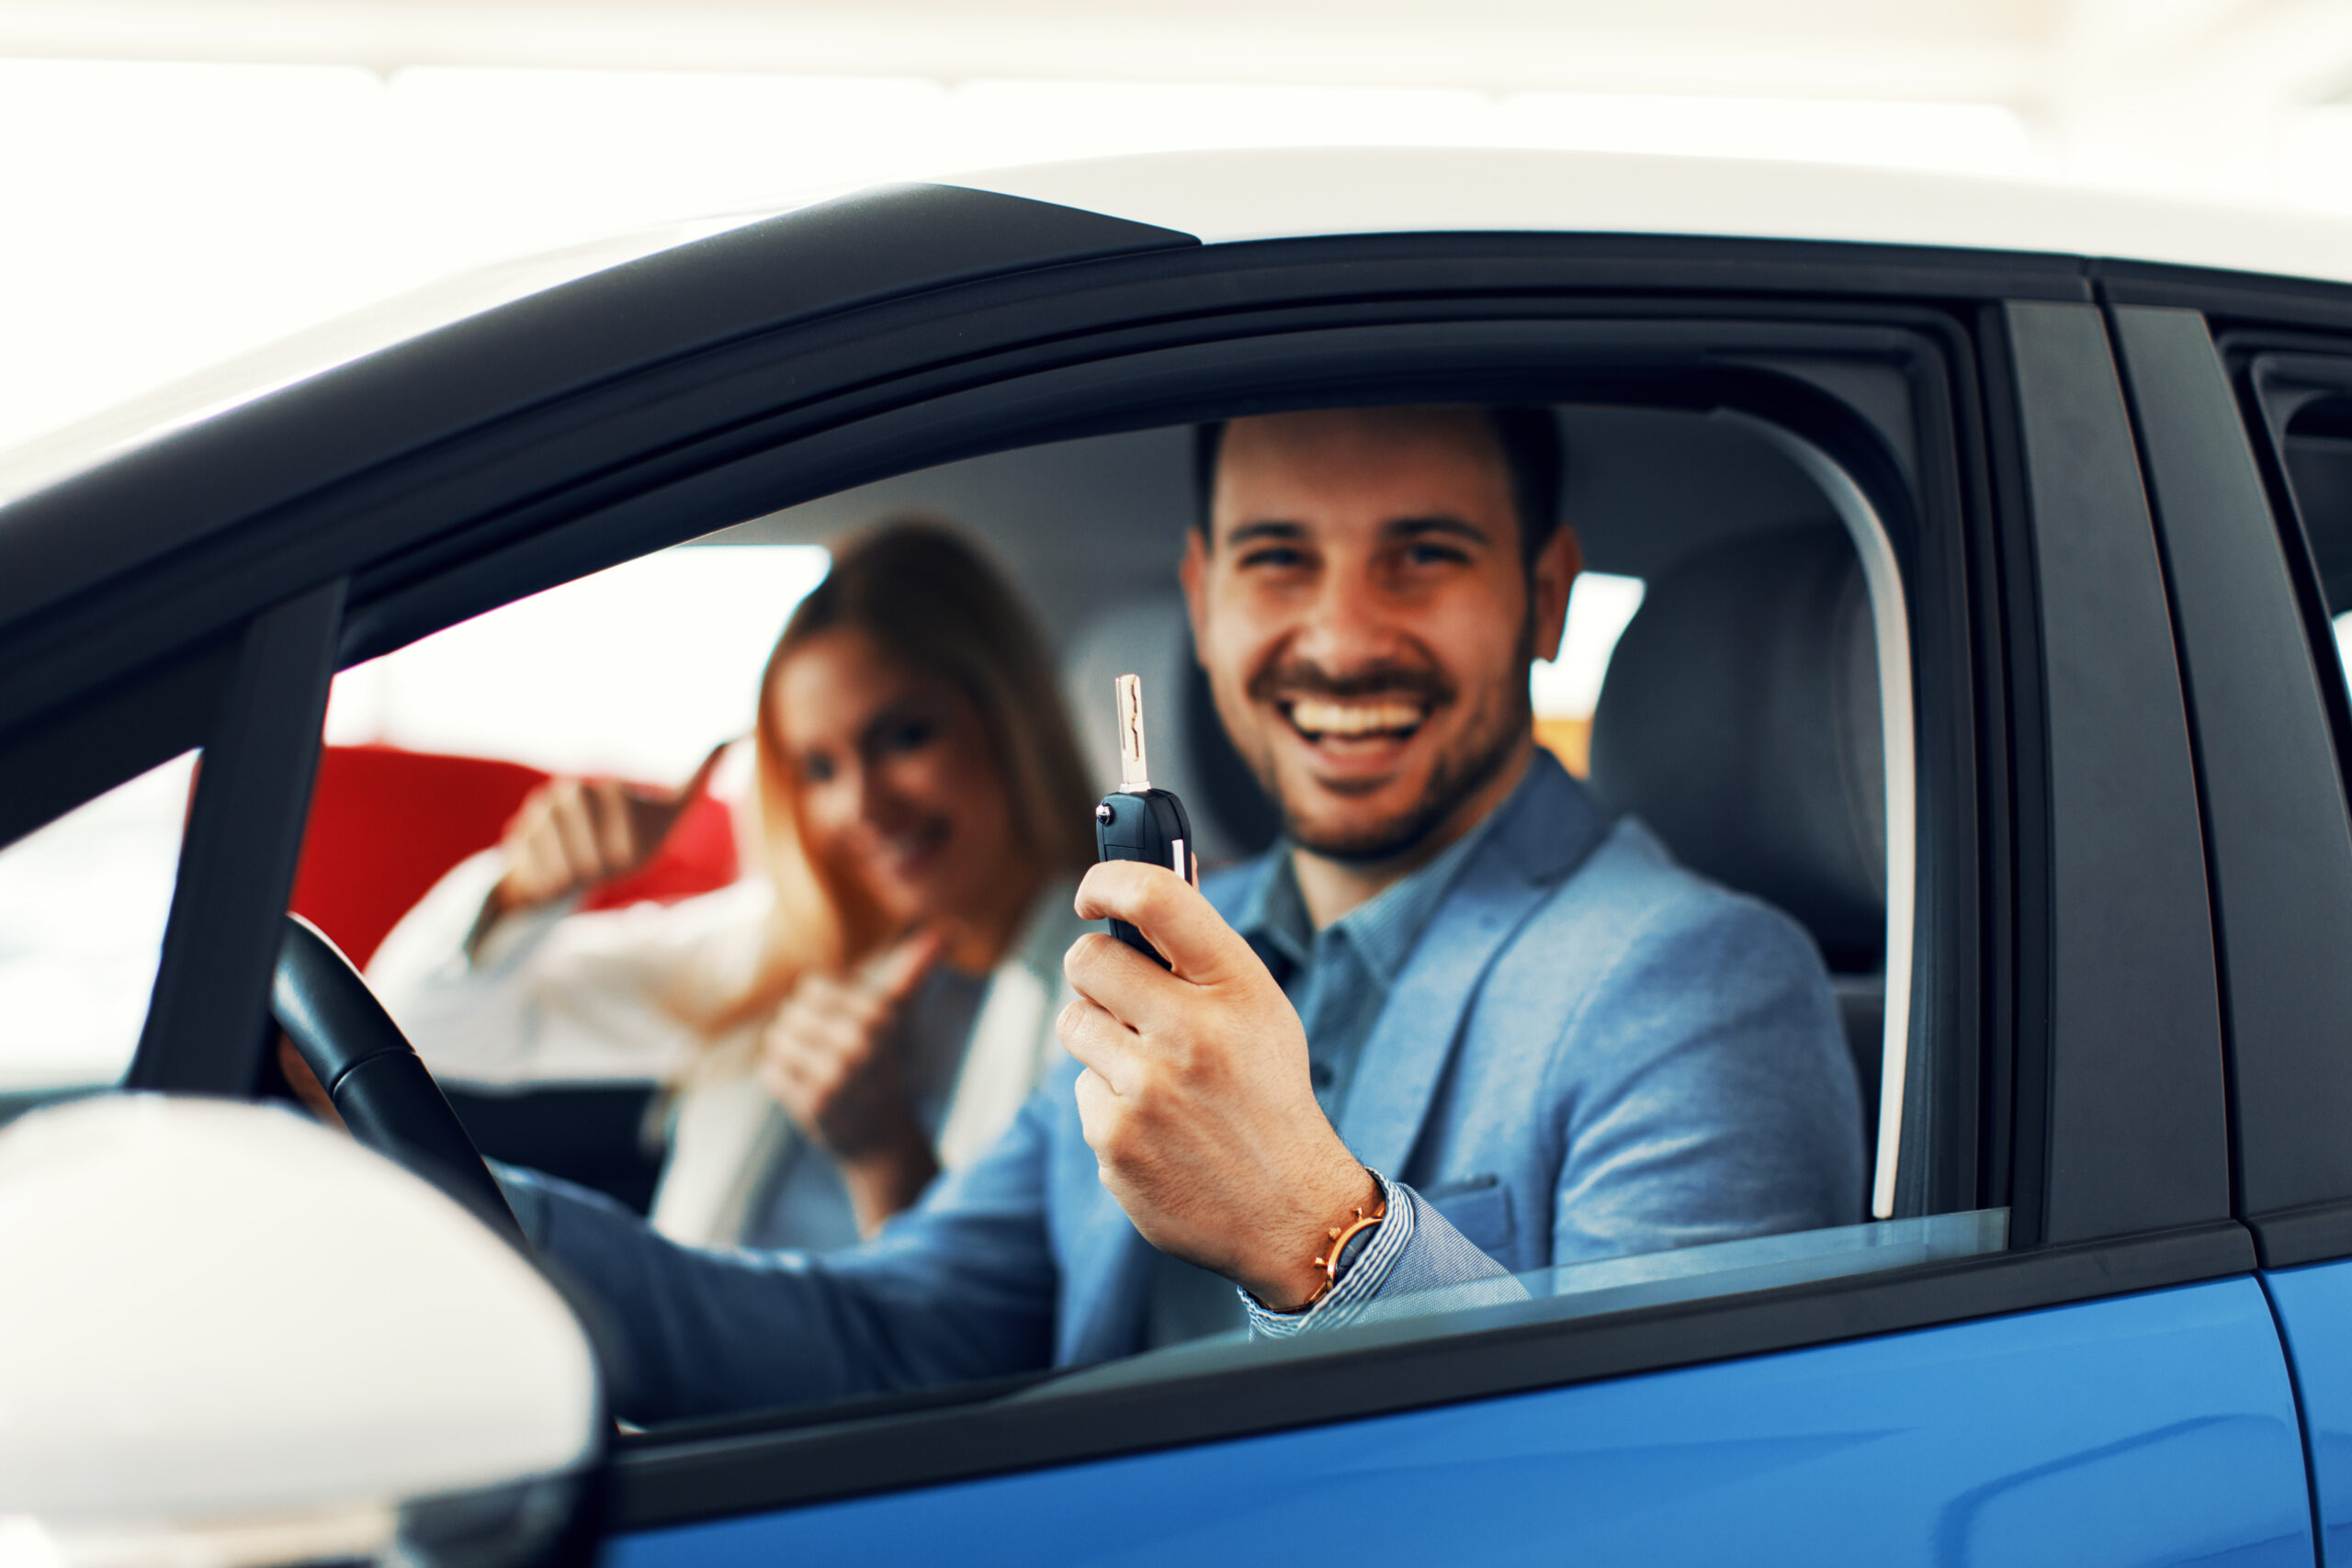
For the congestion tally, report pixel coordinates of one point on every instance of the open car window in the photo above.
(1734, 675)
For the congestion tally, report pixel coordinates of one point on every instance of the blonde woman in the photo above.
(874, 998)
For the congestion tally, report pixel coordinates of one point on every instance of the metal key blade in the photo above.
(1133, 776)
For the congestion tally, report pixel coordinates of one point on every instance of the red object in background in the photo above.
(697, 857)
(386, 824)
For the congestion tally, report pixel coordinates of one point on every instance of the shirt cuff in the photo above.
(1357, 1286)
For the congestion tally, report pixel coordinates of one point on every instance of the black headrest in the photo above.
(1740, 720)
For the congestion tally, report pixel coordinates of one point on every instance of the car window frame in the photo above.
(2280, 836)
(1815, 402)
(2299, 1203)
(207, 1016)
(501, 530)
(2123, 1129)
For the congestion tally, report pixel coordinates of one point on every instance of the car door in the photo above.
(1937, 1417)
(2110, 1387)
(2243, 391)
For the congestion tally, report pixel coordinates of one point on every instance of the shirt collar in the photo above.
(1382, 928)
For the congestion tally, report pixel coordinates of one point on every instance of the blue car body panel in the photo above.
(2314, 1307)
(2143, 1429)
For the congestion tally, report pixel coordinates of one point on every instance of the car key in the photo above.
(1136, 821)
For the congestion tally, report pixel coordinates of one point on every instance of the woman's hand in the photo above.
(571, 834)
(831, 1061)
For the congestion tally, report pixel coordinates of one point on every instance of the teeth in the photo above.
(1319, 717)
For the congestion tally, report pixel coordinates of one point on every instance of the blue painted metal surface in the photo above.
(2145, 1429)
(2316, 1313)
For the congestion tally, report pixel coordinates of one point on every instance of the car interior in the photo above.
(1739, 717)
(1744, 715)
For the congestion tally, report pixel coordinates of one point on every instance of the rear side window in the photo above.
(2318, 460)
(2303, 407)
(83, 905)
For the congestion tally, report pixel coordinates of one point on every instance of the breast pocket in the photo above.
(1479, 1207)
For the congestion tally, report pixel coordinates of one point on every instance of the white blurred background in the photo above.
(184, 179)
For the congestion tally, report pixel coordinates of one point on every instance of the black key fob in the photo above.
(1150, 826)
(1138, 822)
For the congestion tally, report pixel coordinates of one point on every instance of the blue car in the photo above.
(1991, 542)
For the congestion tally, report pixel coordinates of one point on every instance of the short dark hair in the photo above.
(1530, 439)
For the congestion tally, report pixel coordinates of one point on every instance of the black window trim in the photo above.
(2279, 840)
(2225, 298)
(2257, 355)
(2121, 1123)
(205, 1017)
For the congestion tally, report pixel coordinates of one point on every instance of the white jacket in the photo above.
(556, 997)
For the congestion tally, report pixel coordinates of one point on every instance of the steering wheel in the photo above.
(373, 1075)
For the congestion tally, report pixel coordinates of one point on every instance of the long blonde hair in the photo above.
(931, 601)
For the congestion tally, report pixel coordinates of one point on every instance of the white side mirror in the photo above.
(230, 1339)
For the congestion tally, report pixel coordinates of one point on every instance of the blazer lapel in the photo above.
(1549, 825)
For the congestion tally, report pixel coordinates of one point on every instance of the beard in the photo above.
(1487, 743)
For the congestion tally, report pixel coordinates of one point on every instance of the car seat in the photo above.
(1740, 720)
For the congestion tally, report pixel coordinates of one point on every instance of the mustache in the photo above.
(1288, 680)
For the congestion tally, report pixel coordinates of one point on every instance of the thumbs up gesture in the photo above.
(571, 834)
(832, 1059)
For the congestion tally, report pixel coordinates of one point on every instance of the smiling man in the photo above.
(1454, 1025)
(1558, 1045)
(1367, 599)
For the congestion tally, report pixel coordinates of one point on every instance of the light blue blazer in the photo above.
(1590, 1052)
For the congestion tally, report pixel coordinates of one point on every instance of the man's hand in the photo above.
(1195, 1098)
(831, 1059)
(571, 834)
